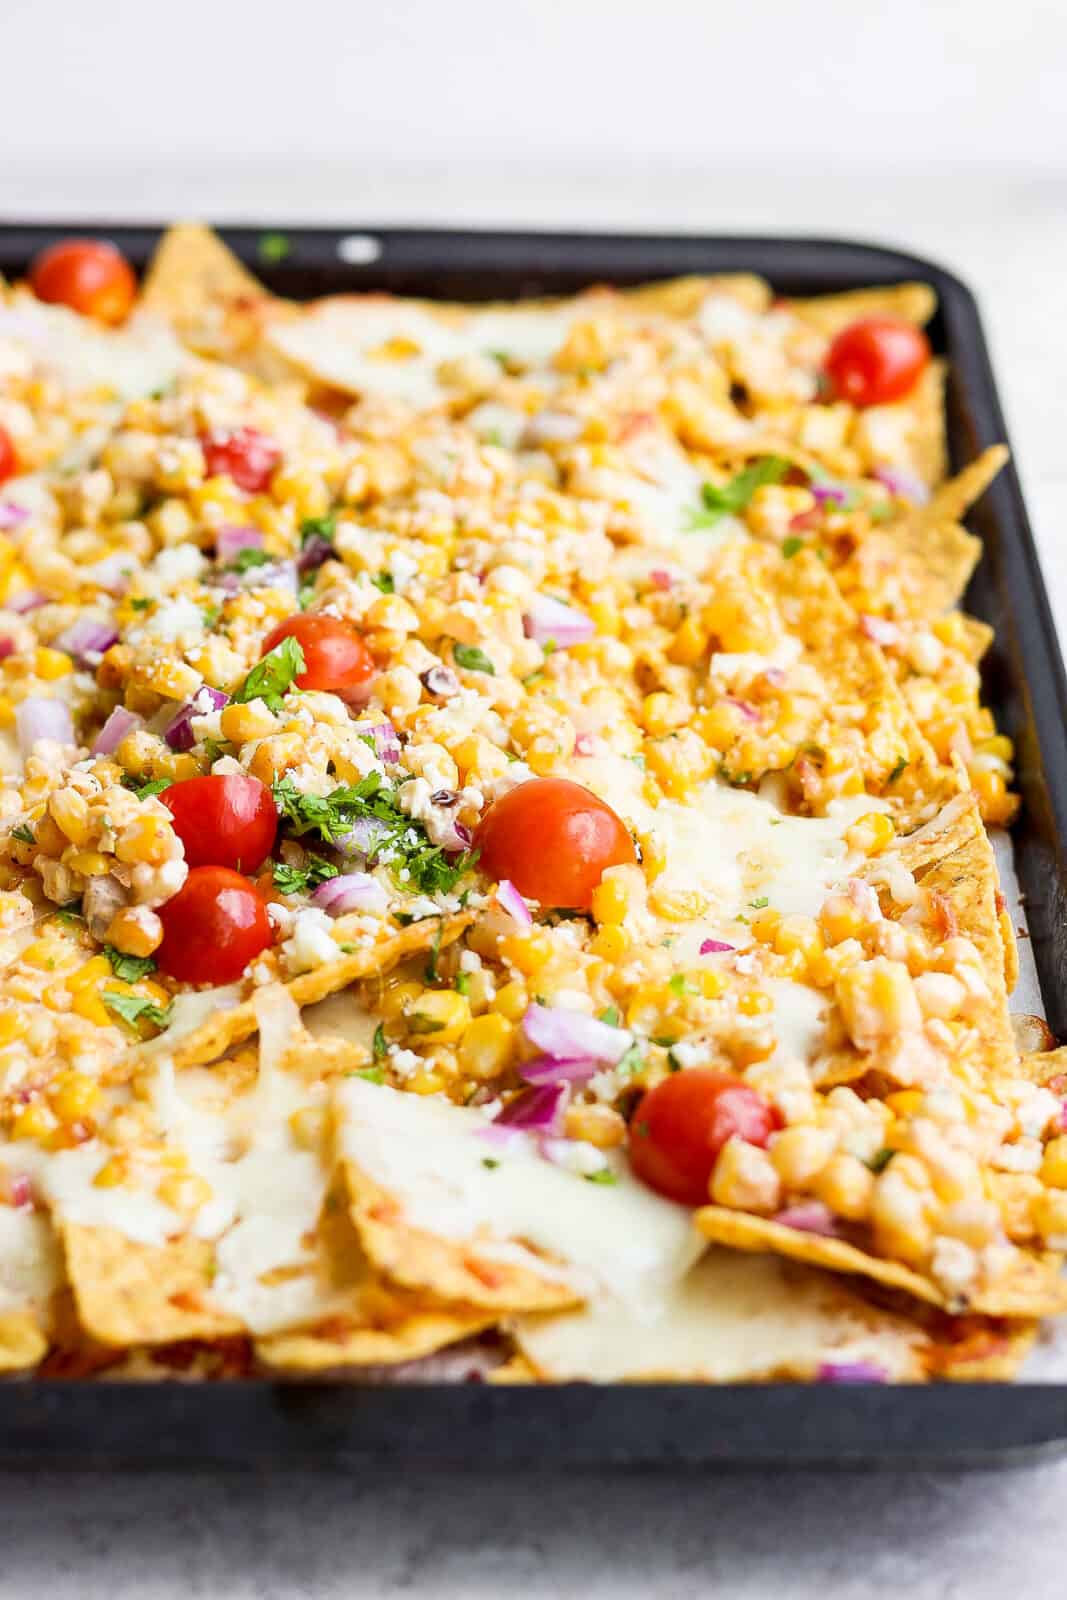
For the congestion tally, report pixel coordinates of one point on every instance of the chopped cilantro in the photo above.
(211, 615)
(631, 1062)
(736, 779)
(430, 969)
(729, 499)
(306, 592)
(318, 528)
(677, 984)
(501, 357)
(139, 602)
(270, 678)
(490, 1163)
(273, 247)
(758, 905)
(154, 786)
(605, 1175)
(897, 770)
(132, 1007)
(381, 1049)
(71, 915)
(610, 1015)
(462, 984)
(249, 557)
(673, 1062)
(881, 511)
(790, 547)
(128, 968)
(24, 832)
(881, 1159)
(298, 880)
(384, 581)
(422, 1022)
(473, 659)
(372, 1074)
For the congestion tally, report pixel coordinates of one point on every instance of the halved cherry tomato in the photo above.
(554, 840)
(876, 360)
(226, 821)
(247, 456)
(213, 927)
(680, 1126)
(8, 460)
(89, 276)
(335, 657)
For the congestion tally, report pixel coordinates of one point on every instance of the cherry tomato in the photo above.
(243, 454)
(212, 928)
(89, 275)
(876, 360)
(554, 840)
(8, 460)
(680, 1126)
(226, 821)
(335, 657)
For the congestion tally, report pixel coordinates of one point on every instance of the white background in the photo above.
(940, 126)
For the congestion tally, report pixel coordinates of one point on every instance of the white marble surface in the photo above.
(925, 1536)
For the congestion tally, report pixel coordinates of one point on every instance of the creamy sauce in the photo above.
(346, 343)
(132, 361)
(30, 1263)
(431, 1157)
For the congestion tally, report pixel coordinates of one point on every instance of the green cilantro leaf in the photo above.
(372, 1074)
(490, 1163)
(790, 547)
(730, 499)
(758, 905)
(881, 511)
(24, 832)
(897, 770)
(381, 1049)
(318, 528)
(273, 247)
(473, 659)
(610, 1015)
(271, 677)
(605, 1176)
(132, 1007)
(298, 880)
(139, 602)
(462, 984)
(154, 786)
(247, 558)
(384, 581)
(128, 968)
(632, 1061)
(430, 970)
(881, 1159)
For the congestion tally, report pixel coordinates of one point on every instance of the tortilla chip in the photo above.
(354, 1341)
(953, 499)
(1047, 1068)
(733, 1319)
(22, 1341)
(683, 297)
(1033, 1287)
(133, 1293)
(227, 1027)
(913, 302)
(213, 304)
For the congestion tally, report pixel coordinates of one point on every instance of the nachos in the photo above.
(495, 874)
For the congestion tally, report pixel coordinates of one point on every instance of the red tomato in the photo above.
(8, 460)
(243, 454)
(335, 657)
(680, 1126)
(876, 360)
(226, 821)
(554, 840)
(212, 928)
(89, 275)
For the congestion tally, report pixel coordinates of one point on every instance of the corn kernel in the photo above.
(600, 1126)
(905, 1102)
(89, 974)
(764, 926)
(610, 942)
(611, 898)
(74, 1096)
(147, 838)
(841, 919)
(800, 1153)
(677, 905)
(13, 1025)
(34, 1121)
(88, 1004)
(90, 863)
(754, 1003)
(135, 931)
(309, 1126)
(798, 935)
(745, 1178)
(1054, 1163)
(871, 833)
(441, 1013)
(51, 664)
(426, 1083)
(688, 645)
(527, 951)
(487, 1046)
(511, 1001)
(845, 1184)
(240, 723)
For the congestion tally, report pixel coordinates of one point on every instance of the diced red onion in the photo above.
(810, 1216)
(38, 718)
(118, 725)
(715, 947)
(661, 578)
(22, 1192)
(363, 837)
(535, 1109)
(456, 837)
(1063, 1115)
(571, 1035)
(350, 891)
(747, 710)
(26, 600)
(585, 744)
(179, 733)
(86, 640)
(903, 484)
(851, 1372)
(386, 741)
(775, 676)
(879, 630)
(549, 621)
(550, 1069)
(7, 647)
(510, 900)
(315, 552)
(831, 494)
(12, 516)
(232, 539)
(275, 575)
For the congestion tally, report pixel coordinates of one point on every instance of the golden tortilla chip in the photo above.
(1047, 1068)
(1032, 1287)
(227, 1027)
(953, 499)
(133, 1293)
(22, 1341)
(913, 302)
(683, 297)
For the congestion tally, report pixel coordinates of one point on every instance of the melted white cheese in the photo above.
(432, 1158)
(132, 361)
(346, 343)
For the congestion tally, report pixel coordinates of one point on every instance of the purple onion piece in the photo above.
(363, 838)
(879, 630)
(715, 947)
(747, 710)
(118, 725)
(38, 718)
(549, 621)
(831, 494)
(179, 733)
(315, 552)
(386, 741)
(535, 1109)
(86, 640)
(350, 891)
(902, 484)
(231, 540)
(510, 900)
(809, 1216)
(550, 1069)
(585, 744)
(851, 1372)
(7, 647)
(26, 600)
(12, 516)
(660, 578)
(572, 1036)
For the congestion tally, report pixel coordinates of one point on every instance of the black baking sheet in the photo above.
(259, 1424)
